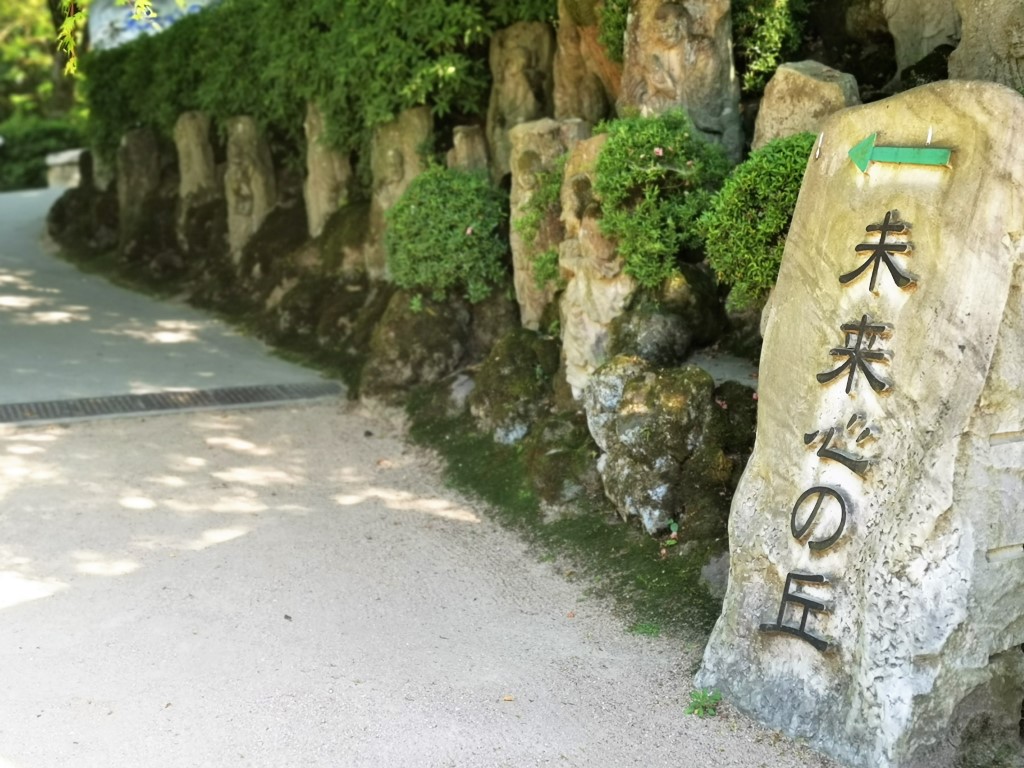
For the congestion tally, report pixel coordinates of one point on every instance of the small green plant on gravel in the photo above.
(646, 628)
(767, 32)
(654, 177)
(444, 235)
(746, 225)
(704, 702)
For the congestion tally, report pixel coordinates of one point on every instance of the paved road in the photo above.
(70, 335)
(295, 587)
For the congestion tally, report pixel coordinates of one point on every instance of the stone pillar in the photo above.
(197, 169)
(521, 60)
(469, 150)
(249, 183)
(395, 160)
(680, 56)
(138, 185)
(597, 291)
(992, 46)
(799, 97)
(586, 81)
(877, 542)
(328, 174)
(536, 148)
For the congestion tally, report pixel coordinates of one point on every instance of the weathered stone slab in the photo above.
(328, 174)
(918, 27)
(536, 147)
(586, 81)
(249, 182)
(799, 97)
(992, 42)
(469, 149)
(680, 55)
(877, 542)
(197, 172)
(521, 60)
(597, 290)
(395, 160)
(138, 186)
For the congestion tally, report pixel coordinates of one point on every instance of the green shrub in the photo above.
(766, 33)
(444, 235)
(654, 177)
(612, 27)
(746, 225)
(363, 62)
(27, 141)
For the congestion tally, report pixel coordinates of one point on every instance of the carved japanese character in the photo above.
(835, 510)
(859, 354)
(856, 464)
(806, 604)
(882, 252)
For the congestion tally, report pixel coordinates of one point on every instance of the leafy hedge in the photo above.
(445, 235)
(766, 33)
(654, 177)
(362, 61)
(26, 143)
(745, 228)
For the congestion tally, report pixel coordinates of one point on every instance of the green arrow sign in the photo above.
(866, 153)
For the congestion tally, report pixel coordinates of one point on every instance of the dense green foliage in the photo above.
(612, 27)
(444, 235)
(27, 141)
(26, 57)
(654, 177)
(766, 33)
(745, 228)
(363, 62)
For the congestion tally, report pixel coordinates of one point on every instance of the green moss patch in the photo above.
(648, 582)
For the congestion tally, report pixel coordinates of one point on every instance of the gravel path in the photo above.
(295, 587)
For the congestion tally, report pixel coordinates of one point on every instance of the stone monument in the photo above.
(876, 597)
(250, 185)
(328, 173)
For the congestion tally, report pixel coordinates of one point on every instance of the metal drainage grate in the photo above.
(157, 402)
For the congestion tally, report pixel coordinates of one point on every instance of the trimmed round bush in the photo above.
(445, 235)
(746, 225)
(654, 177)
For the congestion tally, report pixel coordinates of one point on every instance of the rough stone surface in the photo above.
(328, 174)
(513, 385)
(198, 182)
(197, 169)
(521, 59)
(920, 612)
(536, 147)
(799, 97)
(395, 160)
(664, 325)
(660, 432)
(409, 347)
(680, 55)
(249, 182)
(597, 291)
(920, 26)
(992, 43)
(469, 148)
(138, 187)
(586, 82)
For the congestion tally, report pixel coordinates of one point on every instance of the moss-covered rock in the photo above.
(493, 318)
(267, 259)
(561, 460)
(669, 445)
(664, 325)
(414, 344)
(513, 385)
(344, 237)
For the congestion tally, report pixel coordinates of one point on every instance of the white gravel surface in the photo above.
(283, 588)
